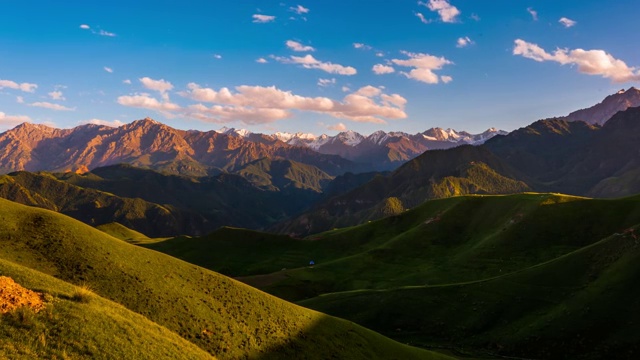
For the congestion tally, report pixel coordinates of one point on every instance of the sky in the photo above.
(313, 66)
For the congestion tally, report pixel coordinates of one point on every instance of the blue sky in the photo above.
(308, 65)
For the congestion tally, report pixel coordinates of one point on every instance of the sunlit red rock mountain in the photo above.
(151, 144)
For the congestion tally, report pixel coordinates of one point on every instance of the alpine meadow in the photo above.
(393, 180)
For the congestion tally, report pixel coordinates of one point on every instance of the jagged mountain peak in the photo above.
(603, 111)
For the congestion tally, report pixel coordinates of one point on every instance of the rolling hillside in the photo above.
(529, 275)
(218, 315)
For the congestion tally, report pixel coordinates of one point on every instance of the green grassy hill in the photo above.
(578, 306)
(221, 316)
(471, 261)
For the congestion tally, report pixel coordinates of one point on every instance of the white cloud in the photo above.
(326, 82)
(345, 89)
(56, 95)
(463, 42)
(299, 9)
(423, 19)
(108, 69)
(114, 123)
(380, 54)
(160, 86)
(309, 62)
(106, 33)
(296, 46)
(217, 56)
(19, 99)
(591, 62)
(445, 10)
(257, 104)
(12, 120)
(99, 32)
(51, 106)
(26, 87)
(126, 81)
(261, 61)
(380, 69)
(567, 22)
(475, 17)
(362, 46)
(145, 101)
(534, 14)
(261, 19)
(423, 66)
(446, 79)
(337, 127)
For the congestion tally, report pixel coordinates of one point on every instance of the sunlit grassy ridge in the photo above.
(219, 315)
(70, 329)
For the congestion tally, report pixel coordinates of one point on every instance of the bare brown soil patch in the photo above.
(13, 296)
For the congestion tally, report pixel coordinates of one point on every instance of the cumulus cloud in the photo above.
(296, 46)
(534, 14)
(299, 9)
(56, 95)
(261, 61)
(380, 69)
(217, 56)
(160, 86)
(126, 81)
(26, 87)
(51, 106)
(258, 104)
(590, 62)
(309, 62)
(446, 79)
(12, 120)
(85, 27)
(144, 101)
(463, 42)
(261, 19)
(114, 123)
(19, 99)
(337, 127)
(445, 10)
(108, 69)
(566, 22)
(423, 66)
(326, 82)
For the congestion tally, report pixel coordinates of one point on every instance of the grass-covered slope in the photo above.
(225, 318)
(442, 241)
(70, 327)
(434, 174)
(578, 306)
(528, 275)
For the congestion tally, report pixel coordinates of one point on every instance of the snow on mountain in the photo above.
(350, 138)
(234, 132)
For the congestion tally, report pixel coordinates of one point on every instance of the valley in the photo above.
(334, 180)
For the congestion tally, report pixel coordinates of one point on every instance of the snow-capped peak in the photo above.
(234, 132)
(350, 137)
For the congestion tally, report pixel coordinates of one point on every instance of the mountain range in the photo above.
(385, 150)
(556, 155)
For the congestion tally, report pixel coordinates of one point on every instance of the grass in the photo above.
(478, 274)
(223, 317)
(68, 329)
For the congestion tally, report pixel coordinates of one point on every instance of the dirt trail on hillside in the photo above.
(13, 296)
